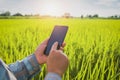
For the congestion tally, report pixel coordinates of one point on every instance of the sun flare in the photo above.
(51, 9)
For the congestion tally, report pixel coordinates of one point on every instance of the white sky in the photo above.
(59, 7)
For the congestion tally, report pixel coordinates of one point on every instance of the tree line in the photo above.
(7, 14)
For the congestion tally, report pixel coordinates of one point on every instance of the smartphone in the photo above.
(58, 34)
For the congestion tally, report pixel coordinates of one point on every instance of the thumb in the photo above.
(54, 46)
(41, 49)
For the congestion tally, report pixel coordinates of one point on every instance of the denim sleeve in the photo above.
(5, 73)
(52, 76)
(25, 69)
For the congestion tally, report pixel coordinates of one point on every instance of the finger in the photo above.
(45, 41)
(63, 44)
(54, 46)
(61, 48)
(45, 57)
(60, 51)
(43, 47)
(40, 49)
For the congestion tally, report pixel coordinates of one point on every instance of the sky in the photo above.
(58, 7)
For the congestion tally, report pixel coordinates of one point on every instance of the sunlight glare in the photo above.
(51, 9)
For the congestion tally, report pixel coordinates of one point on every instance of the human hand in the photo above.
(57, 61)
(39, 53)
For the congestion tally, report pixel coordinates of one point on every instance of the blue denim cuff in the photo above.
(52, 76)
(31, 64)
(25, 69)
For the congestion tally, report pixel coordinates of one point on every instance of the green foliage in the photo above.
(17, 14)
(7, 13)
(93, 46)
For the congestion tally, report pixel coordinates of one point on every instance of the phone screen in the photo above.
(58, 35)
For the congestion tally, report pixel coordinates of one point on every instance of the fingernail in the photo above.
(56, 42)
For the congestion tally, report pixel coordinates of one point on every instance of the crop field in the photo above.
(93, 45)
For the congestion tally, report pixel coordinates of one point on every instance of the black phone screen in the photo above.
(58, 35)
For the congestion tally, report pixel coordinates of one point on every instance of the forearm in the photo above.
(25, 69)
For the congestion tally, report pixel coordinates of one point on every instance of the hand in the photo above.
(57, 61)
(39, 53)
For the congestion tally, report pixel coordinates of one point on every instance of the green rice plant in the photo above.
(93, 45)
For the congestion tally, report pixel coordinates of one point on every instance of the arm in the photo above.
(57, 63)
(25, 69)
(5, 73)
(29, 66)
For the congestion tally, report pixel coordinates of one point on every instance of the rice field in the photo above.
(93, 45)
